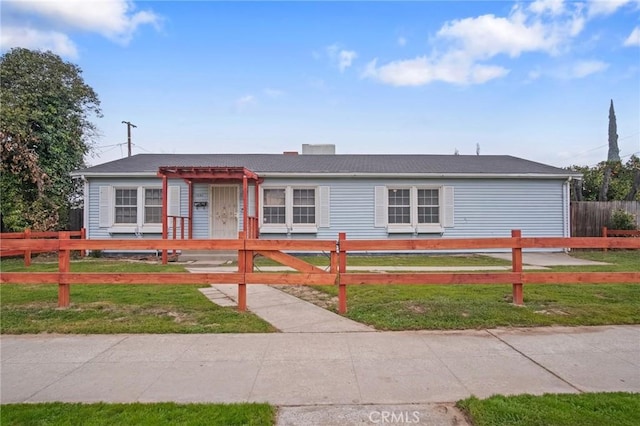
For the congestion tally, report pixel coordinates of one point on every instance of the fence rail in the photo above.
(28, 250)
(308, 274)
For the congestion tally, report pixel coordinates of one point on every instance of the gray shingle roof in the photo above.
(331, 164)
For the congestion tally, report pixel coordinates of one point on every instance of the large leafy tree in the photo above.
(623, 181)
(45, 132)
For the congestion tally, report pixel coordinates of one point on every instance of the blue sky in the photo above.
(530, 79)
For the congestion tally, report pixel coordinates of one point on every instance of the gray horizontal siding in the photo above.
(483, 207)
(94, 231)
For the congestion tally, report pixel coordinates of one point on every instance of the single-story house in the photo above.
(316, 196)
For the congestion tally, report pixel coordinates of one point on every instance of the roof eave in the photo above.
(362, 175)
(113, 174)
(426, 175)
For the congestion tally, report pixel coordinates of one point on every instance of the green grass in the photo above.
(416, 307)
(136, 414)
(588, 409)
(107, 309)
(400, 260)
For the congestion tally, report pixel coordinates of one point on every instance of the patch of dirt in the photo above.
(551, 312)
(311, 295)
(417, 309)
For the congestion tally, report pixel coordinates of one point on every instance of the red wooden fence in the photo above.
(6, 251)
(312, 275)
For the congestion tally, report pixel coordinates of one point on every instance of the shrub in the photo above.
(622, 220)
(98, 253)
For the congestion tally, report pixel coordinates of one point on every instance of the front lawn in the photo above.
(104, 309)
(587, 409)
(58, 413)
(417, 307)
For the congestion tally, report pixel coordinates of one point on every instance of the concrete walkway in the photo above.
(287, 313)
(309, 369)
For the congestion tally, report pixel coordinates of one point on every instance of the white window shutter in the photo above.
(105, 207)
(324, 208)
(173, 201)
(448, 206)
(380, 207)
(261, 206)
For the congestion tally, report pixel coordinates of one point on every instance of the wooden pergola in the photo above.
(211, 175)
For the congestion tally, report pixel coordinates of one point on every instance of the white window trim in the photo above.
(140, 227)
(144, 206)
(414, 226)
(124, 227)
(289, 227)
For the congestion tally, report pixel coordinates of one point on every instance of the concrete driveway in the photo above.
(547, 259)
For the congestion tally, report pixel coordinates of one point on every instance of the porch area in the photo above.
(220, 201)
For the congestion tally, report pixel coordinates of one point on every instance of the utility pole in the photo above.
(129, 126)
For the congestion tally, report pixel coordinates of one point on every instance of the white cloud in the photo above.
(607, 7)
(453, 68)
(32, 38)
(244, 102)
(341, 57)
(552, 7)
(464, 47)
(346, 58)
(634, 38)
(273, 93)
(402, 41)
(116, 20)
(579, 69)
(584, 68)
(534, 74)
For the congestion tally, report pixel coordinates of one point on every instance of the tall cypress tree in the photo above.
(614, 151)
(613, 156)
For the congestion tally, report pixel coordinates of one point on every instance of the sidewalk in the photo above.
(306, 369)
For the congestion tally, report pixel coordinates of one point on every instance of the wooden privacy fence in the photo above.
(308, 274)
(588, 217)
(6, 250)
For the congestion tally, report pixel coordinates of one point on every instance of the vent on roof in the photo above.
(318, 149)
(290, 153)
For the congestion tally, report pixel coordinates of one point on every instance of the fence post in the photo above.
(64, 266)
(83, 236)
(516, 263)
(173, 224)
(604, 235)
(242, 269)
(27, 252)
(342, 269)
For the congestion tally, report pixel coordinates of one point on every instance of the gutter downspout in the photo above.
(85, 206)
(566, 195)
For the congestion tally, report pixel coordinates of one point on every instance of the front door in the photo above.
(224, 212)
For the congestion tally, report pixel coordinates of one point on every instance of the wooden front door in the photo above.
(224, 212)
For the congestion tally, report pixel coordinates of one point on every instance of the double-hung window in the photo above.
(414, 209)
(126, 206)
(304, 206)
(294, 209)
(399, 206)
(428, 206)
(152, 205)
(274, 209)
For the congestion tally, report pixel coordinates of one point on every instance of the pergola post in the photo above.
(165, 223)
(245, 204)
